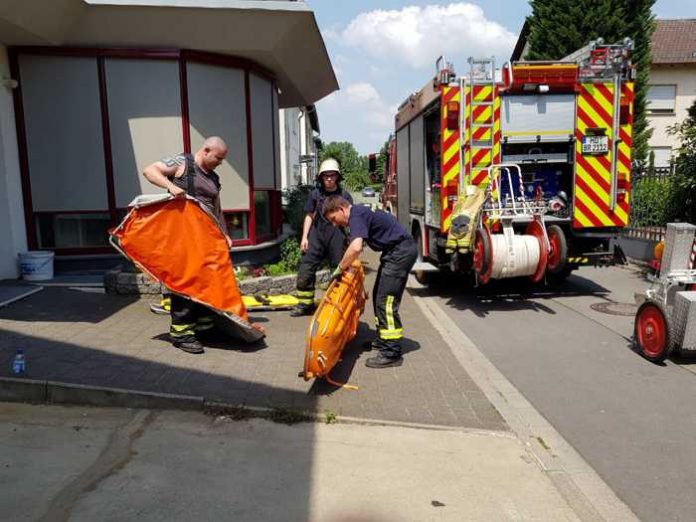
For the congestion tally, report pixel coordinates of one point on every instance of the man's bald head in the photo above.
(214, 142)
(212, 153)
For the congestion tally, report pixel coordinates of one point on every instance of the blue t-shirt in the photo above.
(380, 230)
(315, 201)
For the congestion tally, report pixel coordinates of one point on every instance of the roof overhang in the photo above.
(280, 35)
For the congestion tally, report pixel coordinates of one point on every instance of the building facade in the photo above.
(81, 117)
(299, 131)
(672, 88)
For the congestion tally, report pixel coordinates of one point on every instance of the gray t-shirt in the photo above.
(206, 185)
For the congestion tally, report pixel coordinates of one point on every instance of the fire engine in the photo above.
(521, 171)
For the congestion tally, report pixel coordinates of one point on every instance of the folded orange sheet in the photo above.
(180, 244)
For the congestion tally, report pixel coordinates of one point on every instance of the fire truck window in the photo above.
(432, 149)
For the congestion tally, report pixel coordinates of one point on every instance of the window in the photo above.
(262, 213)
(237, 225)
(72, 230)
(663, 156)
(661, 98)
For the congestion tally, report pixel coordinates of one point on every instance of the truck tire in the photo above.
(483, 255)
(558, 256)
(652, 336)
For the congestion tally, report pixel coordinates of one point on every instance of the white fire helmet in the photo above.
(329, 165)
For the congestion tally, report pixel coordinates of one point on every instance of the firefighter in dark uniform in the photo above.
(382, 233)
(320, 239)
(192, 174)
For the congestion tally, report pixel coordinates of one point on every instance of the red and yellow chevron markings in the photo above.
(595, 110)
(624, 149)
(449, 157)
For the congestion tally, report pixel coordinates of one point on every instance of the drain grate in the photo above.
(613, 308)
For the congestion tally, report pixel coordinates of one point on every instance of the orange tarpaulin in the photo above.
(177, 242)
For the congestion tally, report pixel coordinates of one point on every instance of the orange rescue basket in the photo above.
(335, 323)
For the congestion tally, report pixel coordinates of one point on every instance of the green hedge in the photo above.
(651, 201)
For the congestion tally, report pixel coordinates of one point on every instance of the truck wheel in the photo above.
(558, 255)
(483, 255)
(423, 277)
(651, 335)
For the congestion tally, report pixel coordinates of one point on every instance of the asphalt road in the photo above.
(631, 420)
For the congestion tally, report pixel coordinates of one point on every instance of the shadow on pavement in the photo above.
(354, 351)
(69, 305)
(509, 295)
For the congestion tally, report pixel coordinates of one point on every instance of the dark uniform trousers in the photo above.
(325, 242)
(394, 268)
(188, 319)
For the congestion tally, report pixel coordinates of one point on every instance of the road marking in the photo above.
(579, 484)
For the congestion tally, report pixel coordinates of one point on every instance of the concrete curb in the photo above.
(37, 391)
(579, 484)
(51, 392)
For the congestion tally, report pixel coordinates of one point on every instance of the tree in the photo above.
(683, 197)
(353, 165)
(640, 25)
(382, 162)
(560, 27)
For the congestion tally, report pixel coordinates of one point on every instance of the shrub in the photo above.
(296, 198)
(290, 254)
(651, 201)
(682, 204)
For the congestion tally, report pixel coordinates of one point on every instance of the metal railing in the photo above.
(650, 190)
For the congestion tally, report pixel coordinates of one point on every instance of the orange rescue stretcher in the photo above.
(177, 242)
(334, 324)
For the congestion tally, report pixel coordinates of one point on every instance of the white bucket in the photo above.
(36, 265)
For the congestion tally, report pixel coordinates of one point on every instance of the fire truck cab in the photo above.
(550, 138)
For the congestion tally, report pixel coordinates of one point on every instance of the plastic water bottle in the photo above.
(19, 364)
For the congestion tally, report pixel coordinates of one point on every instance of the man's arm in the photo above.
(304, 244)
(159, 173)
(352, 253)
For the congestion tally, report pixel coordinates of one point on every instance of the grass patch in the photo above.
(288, 416)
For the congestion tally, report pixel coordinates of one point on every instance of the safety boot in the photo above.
(302, 310)
(382, 361)
(189, 345)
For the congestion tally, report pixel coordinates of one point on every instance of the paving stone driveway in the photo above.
(83, 336)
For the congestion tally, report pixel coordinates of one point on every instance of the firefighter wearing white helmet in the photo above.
(320, 239)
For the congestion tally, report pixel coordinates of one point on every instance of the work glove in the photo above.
(336, 275)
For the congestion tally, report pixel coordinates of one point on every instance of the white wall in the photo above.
(684, 77)
(290, 147)
(12, 231)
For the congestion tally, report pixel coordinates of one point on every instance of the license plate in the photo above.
(595, 144)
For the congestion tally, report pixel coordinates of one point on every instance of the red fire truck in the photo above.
(542, 151)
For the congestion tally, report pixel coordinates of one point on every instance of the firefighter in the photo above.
(383, 233)
(320, 240)
(192, 174)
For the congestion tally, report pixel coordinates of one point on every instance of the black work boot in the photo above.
(302, 309)
(189, 345)
(383, 361)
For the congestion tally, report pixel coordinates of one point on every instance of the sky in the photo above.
(384, 50)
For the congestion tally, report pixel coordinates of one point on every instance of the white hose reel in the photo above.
(501, 256)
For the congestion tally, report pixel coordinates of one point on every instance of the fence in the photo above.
(650, 191)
